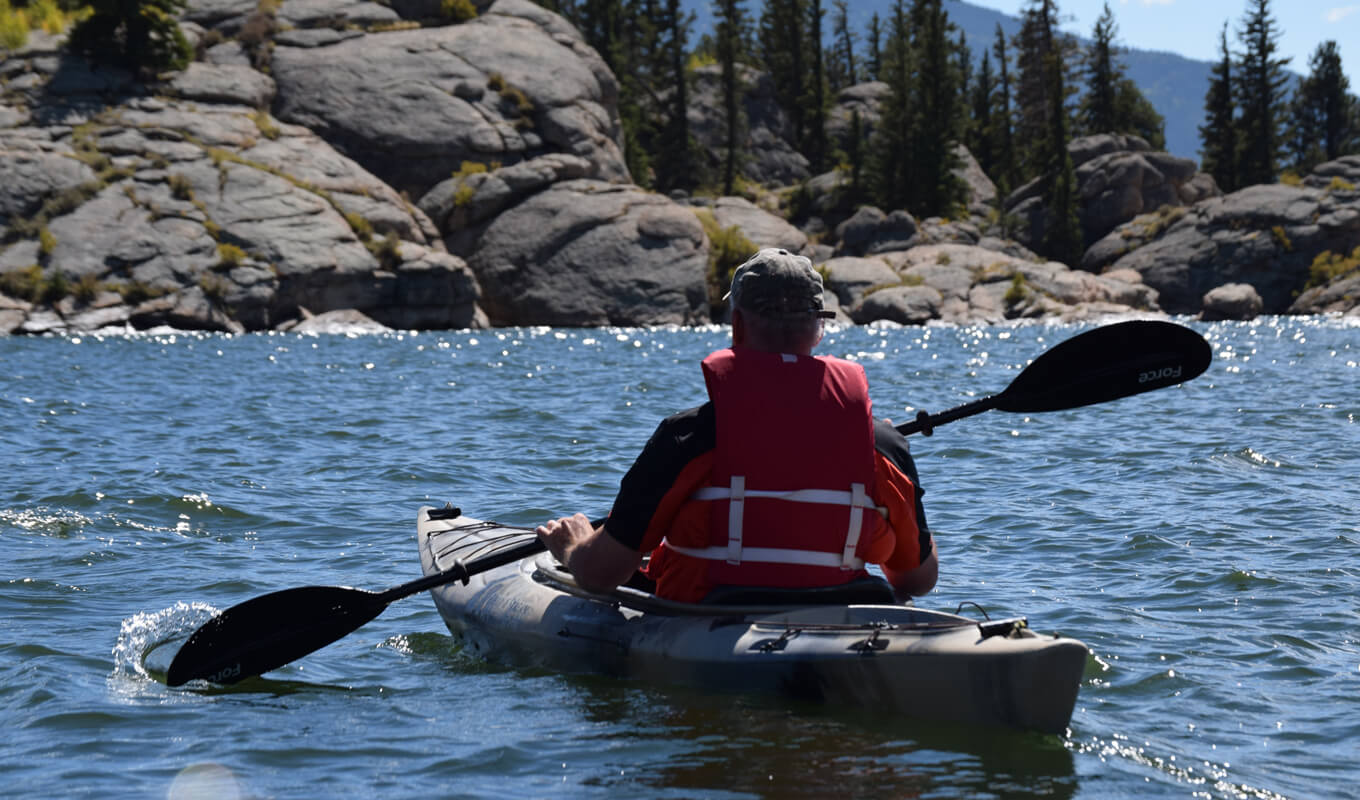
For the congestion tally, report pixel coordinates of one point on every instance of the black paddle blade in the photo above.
(1108, 363)
(268, 631)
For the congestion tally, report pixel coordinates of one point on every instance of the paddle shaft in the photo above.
(461, 571)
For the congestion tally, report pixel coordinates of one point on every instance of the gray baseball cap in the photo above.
(777, 284)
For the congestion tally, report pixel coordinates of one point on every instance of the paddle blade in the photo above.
(271, 630)
(1108, 363)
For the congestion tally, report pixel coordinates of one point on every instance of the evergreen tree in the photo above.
(940, 115)
(1004, 173)
(1218, 134)
(136, 34)
(893, 166)
(875, 66)
(982, 130)
(1325, 117)
(815, 145)
(678, 164)
(1096, 114)
(729, 36)
(1260, 96)
(1040, 50)
(1063, 237)
(783, 51)
(846, 72)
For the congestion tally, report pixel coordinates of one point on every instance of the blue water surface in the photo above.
(1203, 540)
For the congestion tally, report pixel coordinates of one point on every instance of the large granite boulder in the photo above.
(1119, 177)
(411, 106)
(585, 252)
(220, 217)
(1266, 236)
(762, 227)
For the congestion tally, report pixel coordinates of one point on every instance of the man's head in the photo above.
(777, 303)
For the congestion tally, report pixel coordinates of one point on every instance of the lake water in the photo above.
(1203, 540)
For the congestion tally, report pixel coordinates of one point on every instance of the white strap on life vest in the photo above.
(737, 492)
(857, 499)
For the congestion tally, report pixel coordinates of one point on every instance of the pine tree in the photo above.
(783, 51)
(815, 145)
(1040, 51)
(1260, 97)
(136, 34)
(875, 36)
(893, 166)
(677, 164)
(1218, 134)
(729, 37)
(940, 114)
(1325, 117)
(846, 72)
(1096, 114)
(1005, 172)
(982, 130)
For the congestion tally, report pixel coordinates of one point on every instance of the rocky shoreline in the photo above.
(451, 176)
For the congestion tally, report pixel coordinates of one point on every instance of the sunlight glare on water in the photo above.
(1202, 540)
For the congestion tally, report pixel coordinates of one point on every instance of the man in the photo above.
(783, 479)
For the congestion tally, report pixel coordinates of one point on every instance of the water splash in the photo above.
(148, 641)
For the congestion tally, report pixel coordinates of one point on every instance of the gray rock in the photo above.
(1266, 236)
(315, 37)
(871, 231)
(230, 83)
(236, 222)
(1234, 301)
(1342, 171)
(344, 321)
(33, 170)
(317, 13)
(763, 228)
(907, 305)
(398, 102)
(850, 277)
(468, 201)
(586, 252)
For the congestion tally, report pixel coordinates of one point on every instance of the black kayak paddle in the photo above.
(1097, 366)
(271, 630)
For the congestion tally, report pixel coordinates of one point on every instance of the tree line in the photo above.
(1015, 104)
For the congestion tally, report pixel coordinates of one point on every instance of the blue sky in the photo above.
(1191, 27)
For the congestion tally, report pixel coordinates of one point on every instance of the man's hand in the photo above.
(595, 559)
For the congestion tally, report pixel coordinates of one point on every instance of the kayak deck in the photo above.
(902, 659)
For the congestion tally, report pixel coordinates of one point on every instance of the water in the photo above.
(1203, 540)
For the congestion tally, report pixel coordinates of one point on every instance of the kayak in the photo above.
(848, 647)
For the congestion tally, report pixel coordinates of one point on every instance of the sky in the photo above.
(1191, 27)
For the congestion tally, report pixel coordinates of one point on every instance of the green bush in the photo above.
(181, 188)
(1018, 291)
(457, 10)
(13, 27)
(361, 227)
(728, 248)
(1329, 266)
(229, 255)
(47, 242)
